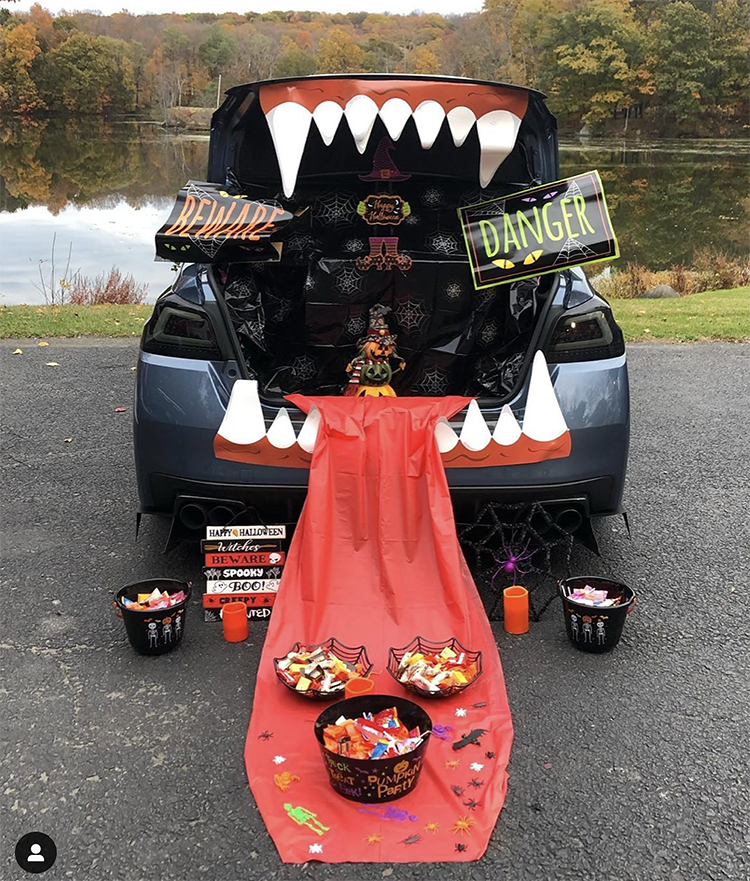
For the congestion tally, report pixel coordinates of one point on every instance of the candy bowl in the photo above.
(320, 672)
(434, 669)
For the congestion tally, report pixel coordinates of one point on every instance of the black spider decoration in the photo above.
(506, 535)
(265, 735)
(460, 848)
(412, 839)
(471, 804)
(477, 784)
(457, 790)
(489, 754)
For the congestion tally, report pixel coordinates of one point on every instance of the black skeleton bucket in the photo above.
(153, 632)
(595, 629)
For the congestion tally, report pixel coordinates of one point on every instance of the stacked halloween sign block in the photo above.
(242, 564)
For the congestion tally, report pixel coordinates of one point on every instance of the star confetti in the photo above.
(432, 827)
(463, 825)
(460, 712)
(452, 764)
(279, 760)
(476, 766)
(373, 838)
(315, 848)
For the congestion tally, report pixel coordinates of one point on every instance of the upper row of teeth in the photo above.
(244, 422)
(289, 124)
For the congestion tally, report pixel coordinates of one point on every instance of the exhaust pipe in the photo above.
(220, 515)
(569, 519)
(193, 516)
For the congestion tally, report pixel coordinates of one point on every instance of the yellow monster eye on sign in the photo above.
(544, 229)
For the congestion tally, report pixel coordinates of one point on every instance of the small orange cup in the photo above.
(516, 609)
(234, 619)
(359, 687)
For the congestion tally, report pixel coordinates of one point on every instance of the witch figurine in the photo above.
(370, 372)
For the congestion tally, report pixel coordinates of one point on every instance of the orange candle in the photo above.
(516, 609)
(358, 687)
(234, 619)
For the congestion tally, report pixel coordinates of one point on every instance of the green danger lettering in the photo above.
(554, 222)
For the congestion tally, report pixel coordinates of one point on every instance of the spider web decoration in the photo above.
(510, 543)
(443, 243)
(432, 197)
(573, 190)
(573, 247)
(434, 381)
(454, 290)
(299, 242)
(348, 280)
(335, 209)
(355, 327)
(489, 332)
(410, 315)
(303, 368)
(412, 220)
(209, 246)
(354, 245)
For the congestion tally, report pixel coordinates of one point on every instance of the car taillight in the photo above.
(180, 332)
(587, 336)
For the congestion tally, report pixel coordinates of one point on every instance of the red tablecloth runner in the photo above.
(375, 560)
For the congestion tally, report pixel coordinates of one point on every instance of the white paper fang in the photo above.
(507, 431)
(461, 121)
(243, 422)
(429, 118)
(445, 436)
(361, 112)
(281, 433)
(309, 432)
(395, 114)
(543, 419)
(475, 435)
(497, 136)
(327, 116)
(289, 124)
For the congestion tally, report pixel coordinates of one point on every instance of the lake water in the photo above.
(102, 190)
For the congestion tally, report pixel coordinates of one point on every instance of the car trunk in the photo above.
(375, 199)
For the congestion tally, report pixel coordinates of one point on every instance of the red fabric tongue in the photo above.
(375, 560)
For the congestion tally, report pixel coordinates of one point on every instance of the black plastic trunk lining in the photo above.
(299, 320)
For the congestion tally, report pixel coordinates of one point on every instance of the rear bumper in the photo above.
(180, 404)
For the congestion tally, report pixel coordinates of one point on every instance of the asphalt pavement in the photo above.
(632, 765)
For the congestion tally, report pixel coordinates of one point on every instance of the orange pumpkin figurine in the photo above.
(370, 372)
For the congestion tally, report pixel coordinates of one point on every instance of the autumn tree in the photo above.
(339, 53)
(681, 61)
(18, 50)
(293, 60)
(92, 75)
(423, 60)
(217, 50)
(590, 61)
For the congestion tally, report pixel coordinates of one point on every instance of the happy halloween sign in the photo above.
(207, 220)
(536, 231)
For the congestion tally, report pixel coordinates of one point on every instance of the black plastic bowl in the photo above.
(154, 632)
(351, 654)
(374, 781)
(424, 645)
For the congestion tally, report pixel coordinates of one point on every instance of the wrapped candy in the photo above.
(436, 672)
(154, 601)
(588, 596)
(378, 736)
(316, 670)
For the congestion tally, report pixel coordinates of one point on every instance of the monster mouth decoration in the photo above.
(243, 436)
(290, 108)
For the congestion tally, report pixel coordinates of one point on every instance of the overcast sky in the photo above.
(141, 6)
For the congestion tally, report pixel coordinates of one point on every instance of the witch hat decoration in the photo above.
(383, 166)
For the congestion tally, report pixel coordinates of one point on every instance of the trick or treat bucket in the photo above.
(153, 631)
(374, 781)
(595, 628)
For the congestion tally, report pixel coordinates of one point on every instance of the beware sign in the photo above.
(536, 231)
(263, 559)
